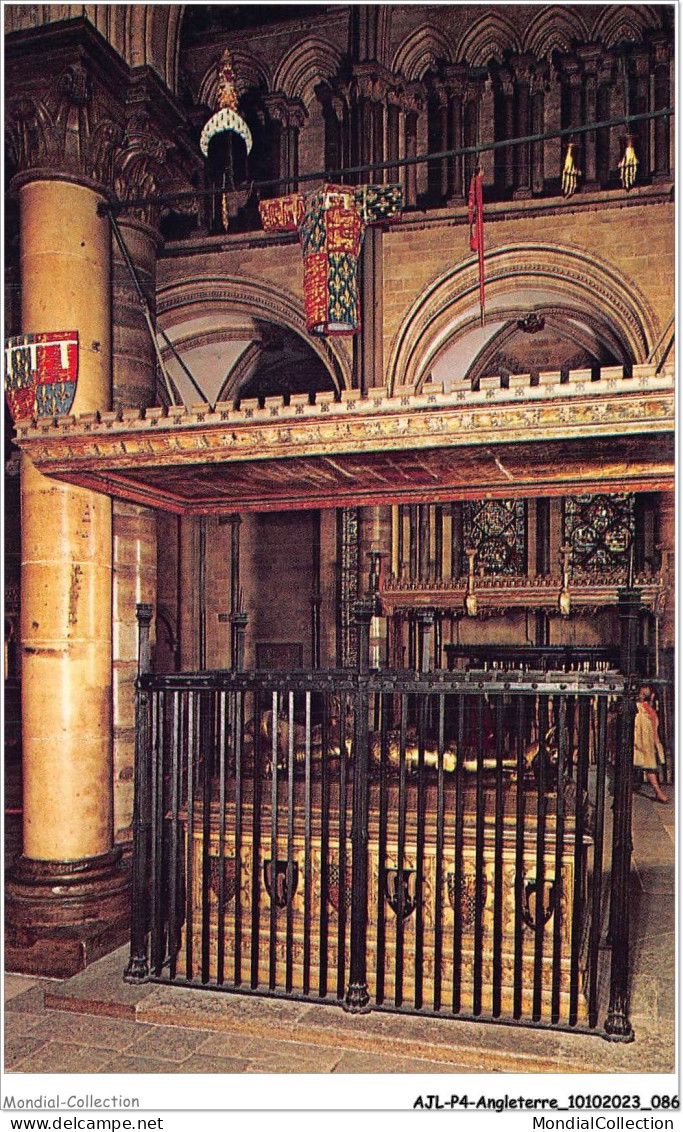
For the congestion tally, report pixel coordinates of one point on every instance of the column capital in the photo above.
(371, 81)
(289, 112)
(591, 55)
(78, 111)
(523, 68)
(414, 98)
(456, 77)
(571, 70)
(662, 49)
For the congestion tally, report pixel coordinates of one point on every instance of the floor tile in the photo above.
(197, 1064)
(60, 1057)
(16, 984)
(19, 1047)
(84, 1029)
(167, 1043)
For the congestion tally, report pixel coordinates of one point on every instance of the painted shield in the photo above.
(41, 371)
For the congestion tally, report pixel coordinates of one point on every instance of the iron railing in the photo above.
(436, 843)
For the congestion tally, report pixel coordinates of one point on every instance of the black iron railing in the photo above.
(438, 842)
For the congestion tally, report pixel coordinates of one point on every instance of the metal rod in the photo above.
(189, 885)
(272, 954)
(138, 967)
(205, 769)
(222, 776)
(517, 1005)
(256, 844)
(420, 870)
(176, 786)
(118, 206)
(238, 717)
(498, 865)
(308, 867)
(458, 880)
(580, 864)
(341, 851)
(480, 879)
(324, 846)
(440, 803)
(539, 905)
(290, 846)
(382, 851)
(400, 853)
(560, 714)
(597, 895)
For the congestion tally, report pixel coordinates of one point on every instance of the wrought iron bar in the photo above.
(117, 206)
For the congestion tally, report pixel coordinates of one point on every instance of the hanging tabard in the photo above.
(331, 223)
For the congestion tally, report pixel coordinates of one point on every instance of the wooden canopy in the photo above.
(556, 437)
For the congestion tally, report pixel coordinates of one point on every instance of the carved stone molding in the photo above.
(289, 112)
(78, 111)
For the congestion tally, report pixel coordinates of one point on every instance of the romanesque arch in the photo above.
(204, 301)
(557, 278)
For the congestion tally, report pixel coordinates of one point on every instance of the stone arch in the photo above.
(490, 36)
(554, 29)
(448, 307)
(256, 299)
(250, 74)
(624, 24)
(302, 68)
(422, 50)
(384, 21)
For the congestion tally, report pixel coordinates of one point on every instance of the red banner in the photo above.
(475, 215)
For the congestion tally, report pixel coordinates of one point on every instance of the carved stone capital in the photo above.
(591, 55)
(414, 98)
(661, 50)
(456, 77)
(79, 111)
(523, 68)
(289, 112)
(436, 89)
(571, 70)
(371, 82)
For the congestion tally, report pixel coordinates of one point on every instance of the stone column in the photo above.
(70, 875)
(456, 77)
(287, 116)
(523, 66)
(662, 98)
(414, 101)
(591, 56)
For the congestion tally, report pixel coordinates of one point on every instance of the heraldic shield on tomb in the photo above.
(41, 371)
(331, 223)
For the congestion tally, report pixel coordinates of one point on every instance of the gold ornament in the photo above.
(628, 166)
(570, 172)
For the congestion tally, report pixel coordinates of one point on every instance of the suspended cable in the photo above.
(117, 206)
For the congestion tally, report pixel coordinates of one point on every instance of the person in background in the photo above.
(648, 752)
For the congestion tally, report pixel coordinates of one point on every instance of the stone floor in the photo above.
(95, 1023)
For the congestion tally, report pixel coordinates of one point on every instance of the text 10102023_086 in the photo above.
(436, 1102)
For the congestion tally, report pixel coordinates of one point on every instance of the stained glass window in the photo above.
(599, 529)
(496, 529)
